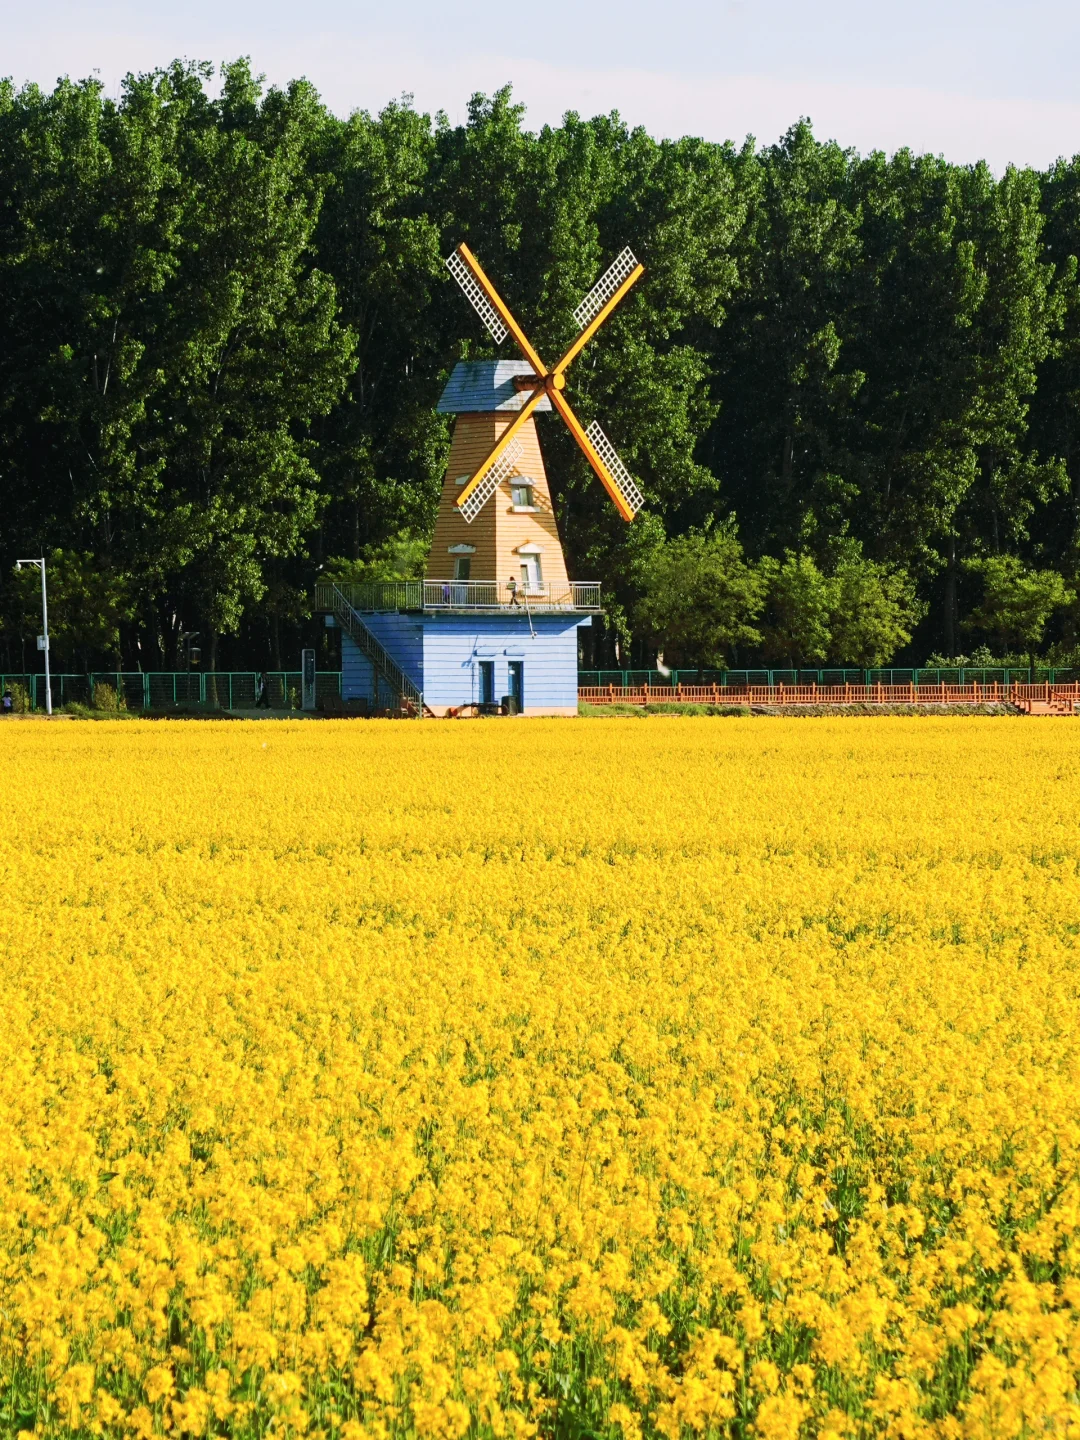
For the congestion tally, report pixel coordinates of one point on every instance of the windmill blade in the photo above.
(604, 459)
(624, 481)
(476, 297)
(505, 440)
(470, 505)
(489, 304)
(601, 300)
(605, 287)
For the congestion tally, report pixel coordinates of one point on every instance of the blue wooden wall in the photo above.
(358, 678)
(441, 654)
(454, 645)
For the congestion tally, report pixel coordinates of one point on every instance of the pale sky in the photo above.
(971, 81)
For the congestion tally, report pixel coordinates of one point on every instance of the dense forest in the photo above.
(848, 385)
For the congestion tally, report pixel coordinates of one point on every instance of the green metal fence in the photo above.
(739, 679)
(161, 691)
(166, 690)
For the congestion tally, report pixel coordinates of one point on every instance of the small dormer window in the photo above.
(521, 496)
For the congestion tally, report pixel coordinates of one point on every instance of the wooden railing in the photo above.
(942, 694)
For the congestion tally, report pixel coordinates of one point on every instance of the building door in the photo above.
(531, 574)
(487, 682)
(517, 683)
(459, 594)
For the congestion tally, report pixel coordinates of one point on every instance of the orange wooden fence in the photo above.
(941, 694)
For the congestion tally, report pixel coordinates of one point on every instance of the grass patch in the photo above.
(605, 711)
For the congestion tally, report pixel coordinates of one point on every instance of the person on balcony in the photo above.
(512, 586)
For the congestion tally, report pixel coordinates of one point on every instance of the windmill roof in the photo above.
(486, 385)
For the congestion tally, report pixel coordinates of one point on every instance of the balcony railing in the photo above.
(461, 595)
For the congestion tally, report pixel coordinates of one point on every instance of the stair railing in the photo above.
(376, 652)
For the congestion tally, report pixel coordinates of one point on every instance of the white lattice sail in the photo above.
(621, 268)
(501, 470)
(624, 481)
(476, 297)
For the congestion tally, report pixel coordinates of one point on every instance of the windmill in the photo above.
(546, 384)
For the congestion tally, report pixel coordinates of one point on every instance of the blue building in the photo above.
(495, 620)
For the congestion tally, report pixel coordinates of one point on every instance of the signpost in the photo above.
(308, 677)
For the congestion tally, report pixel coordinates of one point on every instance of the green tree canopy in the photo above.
(226, 323)
(701, 597)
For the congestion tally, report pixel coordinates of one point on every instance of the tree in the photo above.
(87, 607)
(382, 446)
(798, 611)
(784, 381)
(1017, 601)
(401, 557)
(700, 596)
(875, 608)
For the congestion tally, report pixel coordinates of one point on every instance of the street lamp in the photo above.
(43, 640)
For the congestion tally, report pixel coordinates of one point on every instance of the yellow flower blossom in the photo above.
(678, 1079)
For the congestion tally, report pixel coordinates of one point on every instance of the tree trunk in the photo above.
(950, 601)
(211, 667)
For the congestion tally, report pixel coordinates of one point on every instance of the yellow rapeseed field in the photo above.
(597, 1079)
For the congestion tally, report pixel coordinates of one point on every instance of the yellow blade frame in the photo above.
(507, 319)
(501, 444)
(594, 324)
(554, 390)
(603, 474)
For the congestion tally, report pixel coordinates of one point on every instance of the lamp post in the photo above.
(43, 640)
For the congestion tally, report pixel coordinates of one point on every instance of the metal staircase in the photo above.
(410, 697)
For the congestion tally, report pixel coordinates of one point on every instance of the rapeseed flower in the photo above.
(677, 1079)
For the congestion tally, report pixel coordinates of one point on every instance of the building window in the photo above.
(521, 496)
(462, 565)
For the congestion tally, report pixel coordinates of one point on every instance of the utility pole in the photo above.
(43, 640)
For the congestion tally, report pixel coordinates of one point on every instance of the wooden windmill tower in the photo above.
(496, 525)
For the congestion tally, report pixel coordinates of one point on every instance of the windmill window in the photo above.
(521, 497)
(462, 566)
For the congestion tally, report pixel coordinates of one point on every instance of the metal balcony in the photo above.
(466, 595)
